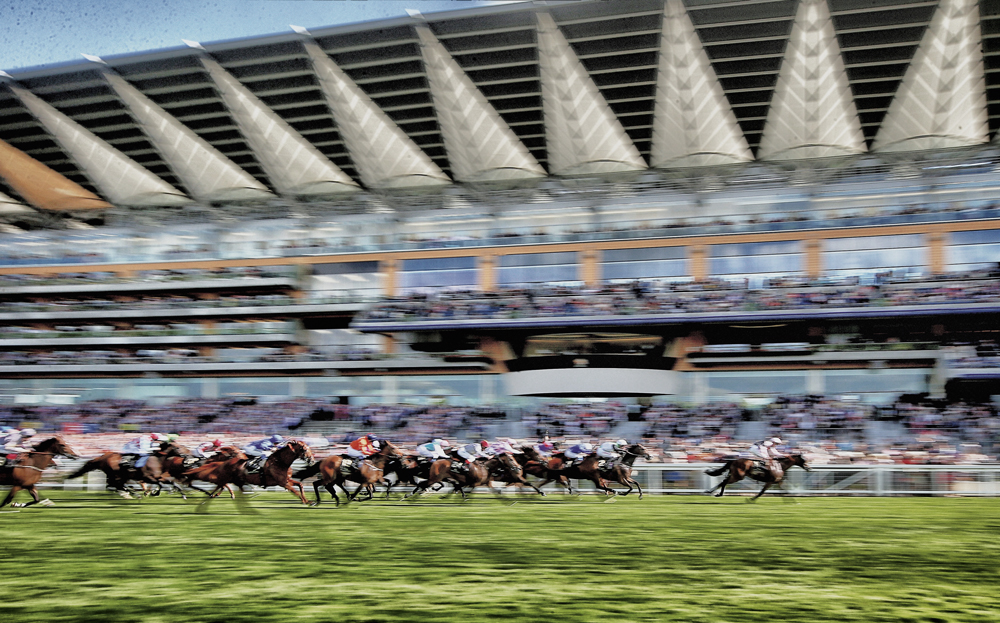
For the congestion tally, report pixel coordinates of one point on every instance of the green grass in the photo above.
(692, 559)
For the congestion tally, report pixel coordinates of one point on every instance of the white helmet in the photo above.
(776, 440)
(28, 432)
(621, 443)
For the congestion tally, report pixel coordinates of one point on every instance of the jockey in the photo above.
(12, 441)
(501, 446)
(578, 452)
(363, 447)
(547, 447)
(261, 449)
(767, 451)
(206, 449)
(611, 450)
(434, 449)
(472, 451)
(143, 446)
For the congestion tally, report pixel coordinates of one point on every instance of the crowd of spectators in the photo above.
(185, 356)
(663, 297)
(835, 429)
(150, 276)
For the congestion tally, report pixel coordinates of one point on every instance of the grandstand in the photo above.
(704, 200)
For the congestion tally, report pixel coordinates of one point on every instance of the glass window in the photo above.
(755, 258)
(972, 250)
(436, 273)
(650, 263)
(352, 280)
(875, 254)
(527, 268)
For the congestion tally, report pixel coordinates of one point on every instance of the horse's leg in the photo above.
(34, 496)
(316, 486)
(10, 496)
(761, 492)
(636, 483)
(291, 485)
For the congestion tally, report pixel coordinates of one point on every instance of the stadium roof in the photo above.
(511, 92)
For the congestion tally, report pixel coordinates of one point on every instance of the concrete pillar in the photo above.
(936, 260)
(487, 272)
(590, 267)
(813, 258)
(389, 267)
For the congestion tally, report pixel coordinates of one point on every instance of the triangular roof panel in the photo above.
(480, 144)
(294, 166)
(693, 123)
(41, 186)
(384, 155)
(582, 133)
(942, 100)
(121, 179)
(207, 174)
(812, 111)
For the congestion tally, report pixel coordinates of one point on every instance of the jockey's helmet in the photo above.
(621, 443)
(172, 437)
(776, 441)
(484, 443)
(442, 442)
(276, 438)
(28, 432)
(372, 437)
(217, 443)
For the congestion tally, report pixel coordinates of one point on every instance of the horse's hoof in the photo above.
(47, 502)
(17, 505)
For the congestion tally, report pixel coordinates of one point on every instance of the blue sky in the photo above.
(42, 32)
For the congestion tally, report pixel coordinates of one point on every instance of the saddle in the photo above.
(193, 461)
(128, 461)
(255, 465)
(758, 469)
(349, 465)
(10, 460)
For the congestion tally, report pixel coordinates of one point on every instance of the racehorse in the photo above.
(28, 471)
(151, 473)
(476, 474)
(586, 470)
(738, 469)
(621, 471)
(533, 463)
(331, 475)
(276, 472)
(176, 463)
(407, 469)
(512, 473)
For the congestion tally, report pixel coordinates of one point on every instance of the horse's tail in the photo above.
(306, 472)
(89, 466)
(719, 470)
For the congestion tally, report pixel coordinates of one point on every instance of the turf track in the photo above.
(93, 557)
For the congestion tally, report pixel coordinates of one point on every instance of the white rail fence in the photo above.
(690, 478)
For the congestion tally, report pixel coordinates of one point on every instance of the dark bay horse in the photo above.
(26, 473)
(176, 463)
(738, 469)
(276, 472)
(588, 469)
(512, 473)
(476, 474)
(331, 475)
(621, 471)
(534, 464)
(151, 473)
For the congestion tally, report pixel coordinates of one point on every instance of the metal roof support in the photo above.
(384, 155)
(582, 133)
(812, 113)
(207, 174)
(693, 124)
(480, 144)
(942, 100)
(119, 178)
(294, 166)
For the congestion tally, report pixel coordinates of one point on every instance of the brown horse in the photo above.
(621, 471)
(151, 473)
(176, 463)
(276, 472)
(588, 469)
(331, 475)
(512, 473)
(738, 469)
(476, 474)
(534, 464)
(26, 473)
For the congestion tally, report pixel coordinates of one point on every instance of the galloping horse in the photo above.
(586, 470)
(176, 463)
(621, 471)
(276, 472)
(476, 474)
(331, 476)
(537, 465)
(512, 473)
(738, 469)
(151, 473)
(26, 474)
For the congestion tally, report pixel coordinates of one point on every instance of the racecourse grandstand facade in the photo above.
(699, 199)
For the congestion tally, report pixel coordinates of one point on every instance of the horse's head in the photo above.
(57, 446)
(510, 463)
(174, 449)
(301, 450)
(530, 453)
(231, 452)
(637, 450)
(798, 459)
(389, 450)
